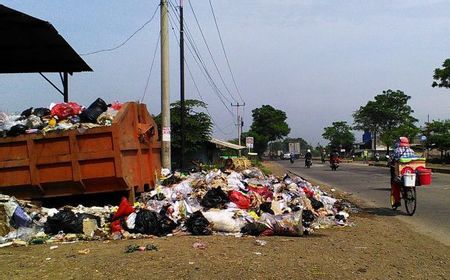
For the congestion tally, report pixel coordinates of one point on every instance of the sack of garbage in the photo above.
(65, 110)
(215, 198)
(67, 221)
(94, 110)
(241, 200)
(223, 220)
(289, 224)
(197, 224)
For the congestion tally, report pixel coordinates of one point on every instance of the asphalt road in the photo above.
(372, 184)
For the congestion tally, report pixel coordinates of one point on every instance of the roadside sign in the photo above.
(249, 142)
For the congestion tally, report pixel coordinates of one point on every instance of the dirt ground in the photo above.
(378, 247)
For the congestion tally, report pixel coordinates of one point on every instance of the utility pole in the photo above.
(183, 137)
(165, 96)
(240, 122)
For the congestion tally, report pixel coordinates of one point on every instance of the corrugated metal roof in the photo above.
(30, 45)
(226, 144)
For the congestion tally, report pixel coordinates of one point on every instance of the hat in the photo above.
(404, 142)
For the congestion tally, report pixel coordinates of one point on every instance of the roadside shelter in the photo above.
(32, 45)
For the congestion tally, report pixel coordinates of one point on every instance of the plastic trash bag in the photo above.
(20, 218)
(131, 221)
(284, 225)
(224, 221)
(26, 113)
(197, 224)
(65, 110)
(94, 110)
(34, 122)
(146, 222)
(254, 229)
(42, 112)
(16, 130)
(241, 200)
(124, 209)
(67, 221)
(215, 198)
(315, 203)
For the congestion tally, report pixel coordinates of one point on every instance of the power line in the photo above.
(224, 52)
(205, 71)
(198, 90)
(209, 51)
(126, 40)
(151, 68)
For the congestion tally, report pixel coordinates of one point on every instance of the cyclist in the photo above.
(402, 150)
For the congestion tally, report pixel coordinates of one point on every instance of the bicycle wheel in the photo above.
(409, 196)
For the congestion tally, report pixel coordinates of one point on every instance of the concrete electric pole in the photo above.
(165, 96)
(239, 122)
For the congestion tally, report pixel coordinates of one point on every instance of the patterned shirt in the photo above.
(403, 152)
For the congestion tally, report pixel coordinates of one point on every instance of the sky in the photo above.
(318, 61)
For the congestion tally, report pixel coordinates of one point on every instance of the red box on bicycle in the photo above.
(424, 176)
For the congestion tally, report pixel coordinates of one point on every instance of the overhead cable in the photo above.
(126, 40)
(224, 52)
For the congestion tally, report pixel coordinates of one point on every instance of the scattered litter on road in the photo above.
(260, 242)
(199, 245)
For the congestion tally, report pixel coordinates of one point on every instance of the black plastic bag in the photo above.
(16, 130)
(215, 198)
(146, 222)
(26, 113)
(166, 225)
(197, 224)
(66, 221)
(266, 207)
(94, 110)
(315, 203)
(254, 229)
(42, 112)
(307, 218)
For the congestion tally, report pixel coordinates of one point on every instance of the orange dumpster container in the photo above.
(123, 157)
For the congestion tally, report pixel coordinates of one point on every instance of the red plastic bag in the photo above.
(241, 200)
(65, 110)
(262, 191)
(116, 105)
(116, 226)
(124, 210)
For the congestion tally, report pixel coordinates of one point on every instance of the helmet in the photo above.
(309, 151)
(403, 142)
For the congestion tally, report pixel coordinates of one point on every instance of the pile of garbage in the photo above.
(201, 203)
(61, 116)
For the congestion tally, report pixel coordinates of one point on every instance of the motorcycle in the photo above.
(334, 165)
(308, 163)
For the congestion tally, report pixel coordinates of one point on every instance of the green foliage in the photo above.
(438, 135)
(389, 115)
(198, 126)
(442, 76)
(340, 135)
(269, 124)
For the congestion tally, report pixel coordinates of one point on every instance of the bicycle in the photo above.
(409, 197)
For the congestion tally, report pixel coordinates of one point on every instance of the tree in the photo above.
(442, 76)
(269, 124)
(340, 135)
(198, 126)
(438, 135)
(388, 115)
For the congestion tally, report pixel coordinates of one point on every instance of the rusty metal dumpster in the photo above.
(122, 157)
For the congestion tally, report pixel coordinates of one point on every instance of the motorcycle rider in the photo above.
(308, 156)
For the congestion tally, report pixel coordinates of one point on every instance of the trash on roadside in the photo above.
(241, 201)
(199, 245)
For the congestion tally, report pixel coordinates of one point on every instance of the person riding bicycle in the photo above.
(402, 150)
(308, 156)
